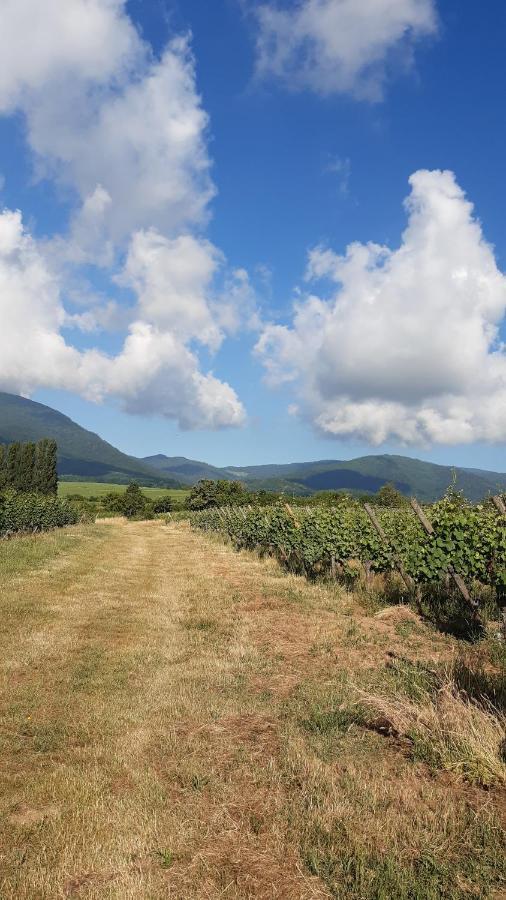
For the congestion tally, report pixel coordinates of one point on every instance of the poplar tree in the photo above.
(26, 473)
(3, 471)
(51, 468)
(13, 463)
(38, 481)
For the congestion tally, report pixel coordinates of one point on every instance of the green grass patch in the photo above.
(88, 489)
(23, 553)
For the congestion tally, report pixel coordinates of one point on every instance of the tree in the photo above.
(207, 493)
(26, 467)
(52, 468)
(134, 501)
(113, 502)
(13, 465)
(39, 474)
(45, 478)
(388, 495)
(163, 504)
(3, 469)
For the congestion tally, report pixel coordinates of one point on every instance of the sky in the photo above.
(252, 232)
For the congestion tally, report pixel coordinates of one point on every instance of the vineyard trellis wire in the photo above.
(465, 542)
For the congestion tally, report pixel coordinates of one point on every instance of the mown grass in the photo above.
(27, 553)
(185, 721)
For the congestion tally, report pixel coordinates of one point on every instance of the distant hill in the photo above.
(187, 471)
(81, 453)
(85, 456)
(366, 474)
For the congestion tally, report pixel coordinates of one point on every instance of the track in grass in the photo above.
(178, 721)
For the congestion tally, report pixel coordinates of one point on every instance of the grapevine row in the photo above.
(316, 540)
(24, 512)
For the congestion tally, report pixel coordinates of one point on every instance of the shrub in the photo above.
(207, 494)
(24, 512)
(134, 503)
(163, 505)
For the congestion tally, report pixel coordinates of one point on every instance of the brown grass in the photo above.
(178, 721)
(448, 730)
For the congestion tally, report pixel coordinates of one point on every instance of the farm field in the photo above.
(182, 720)
(99, 489)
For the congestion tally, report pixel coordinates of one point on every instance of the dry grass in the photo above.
(177, 720)
(448, 730)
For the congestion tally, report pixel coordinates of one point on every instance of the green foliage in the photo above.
(30, 512)
(163, 505)
(133, 501)
(318, 540)
(208, 494)
(29, 467)
(389, 496)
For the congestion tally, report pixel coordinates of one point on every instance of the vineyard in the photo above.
(29, 513)
(450, 538)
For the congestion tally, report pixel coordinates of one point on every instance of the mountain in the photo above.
(427, 481)
(366, 474)
(84, 455)
(81, 454)
(187, 471)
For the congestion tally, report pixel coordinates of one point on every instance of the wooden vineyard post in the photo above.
(458, 580)
(292, 515)
(499, 505)
(501, 509)
(408, 581)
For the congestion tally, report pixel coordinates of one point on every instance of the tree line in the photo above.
(29, 467)
(207, 494)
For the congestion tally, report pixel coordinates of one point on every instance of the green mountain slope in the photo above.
(81, 454)
(85, 456)
(366, 474)
(187, 471)
(411, 476)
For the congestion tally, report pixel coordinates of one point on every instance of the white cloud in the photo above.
(124, 133)
(339, 46)
(102, 115)
(172, 279)
(44, 44)
(407, 347)
(155, 372)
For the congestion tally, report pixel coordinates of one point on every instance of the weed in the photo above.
(201, 625)
(165, 858)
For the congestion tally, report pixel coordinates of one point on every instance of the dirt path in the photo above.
(154, 688)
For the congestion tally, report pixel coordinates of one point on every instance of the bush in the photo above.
(134, 503)
(24, 512)
(163, 505)
(207, 494)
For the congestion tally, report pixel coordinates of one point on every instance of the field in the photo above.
(182, 720)
(99, 489)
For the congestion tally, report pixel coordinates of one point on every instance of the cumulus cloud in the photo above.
(172, 280)
(339, 46)
(104, 117)
(155, 372)
(407, 347)
(124, 133)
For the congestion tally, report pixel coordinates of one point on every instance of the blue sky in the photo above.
(300, 156)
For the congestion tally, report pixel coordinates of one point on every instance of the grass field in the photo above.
(182, 721)
(98, 489)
